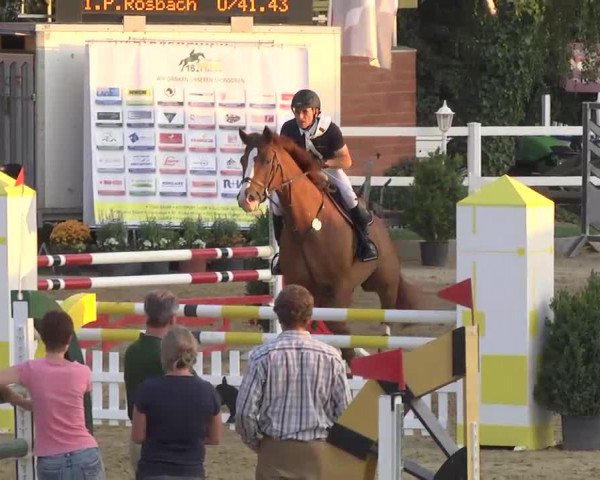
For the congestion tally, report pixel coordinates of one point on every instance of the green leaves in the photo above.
(437, 187)
(492, 69)
(569, 373)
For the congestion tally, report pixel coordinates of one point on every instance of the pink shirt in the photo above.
(56, 389)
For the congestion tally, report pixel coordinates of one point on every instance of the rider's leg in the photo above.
(277, 228)
(358, 214)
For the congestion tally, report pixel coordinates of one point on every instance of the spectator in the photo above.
(293, 391)
(142, 357)
(63, 445)
(175, 415)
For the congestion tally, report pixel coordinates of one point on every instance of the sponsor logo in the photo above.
(140, 140)
(139, 115)
(231, 184)
(197, 62)
(203, 184)
(169, 116)
(194, 117)
(108, 92)
(170, 161)
(204, 97)
(108, 138)
(116, 116)
(208, 141)
(232, 118)
(171, 138)
(139, 92)
(142, 183)
(268, 118)
(231, 163)
(233, 138)
(169, 92)
(191, 60)
(111, 182)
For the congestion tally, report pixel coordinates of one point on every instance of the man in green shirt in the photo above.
(142, 357)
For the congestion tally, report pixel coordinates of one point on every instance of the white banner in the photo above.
(164, 120)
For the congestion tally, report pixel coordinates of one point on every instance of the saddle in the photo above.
(336, 198)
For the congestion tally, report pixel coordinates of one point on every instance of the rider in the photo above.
(315, 132)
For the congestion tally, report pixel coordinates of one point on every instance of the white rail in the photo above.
(474, 132)
(109, 404)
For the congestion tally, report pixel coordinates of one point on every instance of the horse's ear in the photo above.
(267, 134)
(243, 136)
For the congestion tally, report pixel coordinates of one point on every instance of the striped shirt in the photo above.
(294, 388)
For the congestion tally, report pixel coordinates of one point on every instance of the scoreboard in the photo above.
(292, 12)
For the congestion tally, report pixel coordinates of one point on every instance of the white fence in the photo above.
(109, 405)
(474, 132)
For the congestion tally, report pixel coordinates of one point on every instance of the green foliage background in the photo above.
(493, 69)
(569, 374)
(431, 205)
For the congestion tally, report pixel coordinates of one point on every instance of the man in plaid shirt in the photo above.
(293, 391)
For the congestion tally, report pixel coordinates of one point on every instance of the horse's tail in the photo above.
(409, 296)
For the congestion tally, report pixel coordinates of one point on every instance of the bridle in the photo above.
(263, 190)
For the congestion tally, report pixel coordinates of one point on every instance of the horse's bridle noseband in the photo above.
(264, 193)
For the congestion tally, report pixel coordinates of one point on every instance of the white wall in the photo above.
(60, 79)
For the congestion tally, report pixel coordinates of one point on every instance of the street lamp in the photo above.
(444, 120)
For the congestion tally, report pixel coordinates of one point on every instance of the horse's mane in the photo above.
(303, 158)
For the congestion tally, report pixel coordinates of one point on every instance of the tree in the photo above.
(493, 68)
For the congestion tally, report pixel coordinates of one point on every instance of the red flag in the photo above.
(20, 177)
(460, 293)
(385, 366)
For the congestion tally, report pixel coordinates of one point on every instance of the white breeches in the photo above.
(339, 178)
(336, 176)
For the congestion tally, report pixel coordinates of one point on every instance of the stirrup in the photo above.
(275, 268)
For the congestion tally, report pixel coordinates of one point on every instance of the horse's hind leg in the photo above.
(387, 301)
(387, 293)
(340, 298)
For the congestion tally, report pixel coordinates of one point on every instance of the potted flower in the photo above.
(431, 205)
(69, 236)
(193, 235)
(152, 235)
(112, 235)
(569, 370)
(225, 233)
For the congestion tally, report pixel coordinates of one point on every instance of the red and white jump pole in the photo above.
(86, 283)
(147, 256)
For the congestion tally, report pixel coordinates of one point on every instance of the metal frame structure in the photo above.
(590, 193)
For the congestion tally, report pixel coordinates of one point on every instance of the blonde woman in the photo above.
(175, 415)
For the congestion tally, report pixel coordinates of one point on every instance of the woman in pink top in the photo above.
(63, 446)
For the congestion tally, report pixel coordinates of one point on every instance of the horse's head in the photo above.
(261, 166)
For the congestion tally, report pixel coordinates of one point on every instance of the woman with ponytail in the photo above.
(175, 415)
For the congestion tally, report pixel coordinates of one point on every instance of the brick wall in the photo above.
(377, 97)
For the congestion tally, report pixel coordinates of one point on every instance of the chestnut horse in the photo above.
(317, 245)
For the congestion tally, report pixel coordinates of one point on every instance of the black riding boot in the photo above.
(366, 249)
(277, 228)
